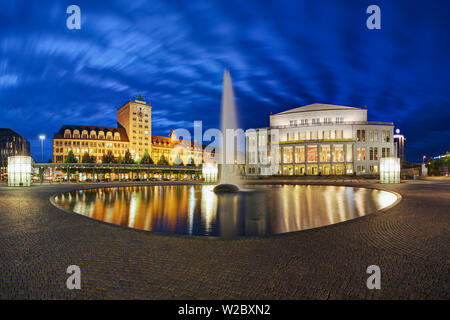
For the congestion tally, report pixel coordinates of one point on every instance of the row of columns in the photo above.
(120, 174)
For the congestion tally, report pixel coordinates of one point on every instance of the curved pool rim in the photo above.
(343, 184)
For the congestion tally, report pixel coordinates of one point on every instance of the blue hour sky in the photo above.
(281, 55)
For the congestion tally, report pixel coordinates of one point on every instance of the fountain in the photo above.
(228, 180)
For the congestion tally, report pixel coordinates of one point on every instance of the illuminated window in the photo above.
(312, 153)
(287, 155)
(338, 153)
(360, 135)
(325, 153)
(300, 154)
(360, 154)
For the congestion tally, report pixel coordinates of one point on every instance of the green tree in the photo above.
(163, 161)
(433, 167)
(128, 159)
(87, 158)
(108, 157)
(71, 158)
(146, 159)
(447, 160)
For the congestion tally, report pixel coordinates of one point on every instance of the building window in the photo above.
(373, 169)
(316, 121)
(262, 140)
(326, 134)
(327, 120)
(361, 169)
(302, 135)
(314, 135)
(312, 153)
(373, 153)
(385, 136)
(287, 155)
(373, 136)
(338, 153)
(339, 134)
(299, 154)
(349, 154)
(385, 152)
(339, 120)
(325, 153)
(293, 123)
(360, 154)
(360, 135)
(291, 136)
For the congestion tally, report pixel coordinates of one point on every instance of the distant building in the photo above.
(400, 145)
(133, 133)
(319, 139)
(12, 144)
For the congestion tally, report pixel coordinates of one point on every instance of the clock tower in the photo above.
(136, 118)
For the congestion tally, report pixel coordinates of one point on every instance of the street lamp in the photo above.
(42, 138)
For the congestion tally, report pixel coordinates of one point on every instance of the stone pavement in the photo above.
(409, 242)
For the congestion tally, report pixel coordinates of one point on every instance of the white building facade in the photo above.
(319, 139)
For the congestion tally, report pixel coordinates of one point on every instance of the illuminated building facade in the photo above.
(400, 144)
(133, 134)
(319, 139)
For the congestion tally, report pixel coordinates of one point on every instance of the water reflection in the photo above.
(197, 210)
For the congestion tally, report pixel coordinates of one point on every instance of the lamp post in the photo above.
(42, 138)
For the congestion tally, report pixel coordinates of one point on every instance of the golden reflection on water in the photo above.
(197, 210)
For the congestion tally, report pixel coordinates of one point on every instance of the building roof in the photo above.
(168, 141)
(318, 107)
(7, 132)
(163, 140)
(121, 131)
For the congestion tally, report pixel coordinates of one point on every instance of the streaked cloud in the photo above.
(281, 54)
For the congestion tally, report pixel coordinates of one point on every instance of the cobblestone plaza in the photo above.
(409, 242)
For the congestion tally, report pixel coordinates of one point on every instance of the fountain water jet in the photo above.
(228, 179)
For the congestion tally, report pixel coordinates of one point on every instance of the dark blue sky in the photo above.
(281, 54)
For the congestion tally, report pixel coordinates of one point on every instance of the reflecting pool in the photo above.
(197, 210)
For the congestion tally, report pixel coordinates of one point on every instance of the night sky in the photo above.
(281, 55)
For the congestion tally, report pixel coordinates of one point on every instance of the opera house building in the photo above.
(319, 139)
